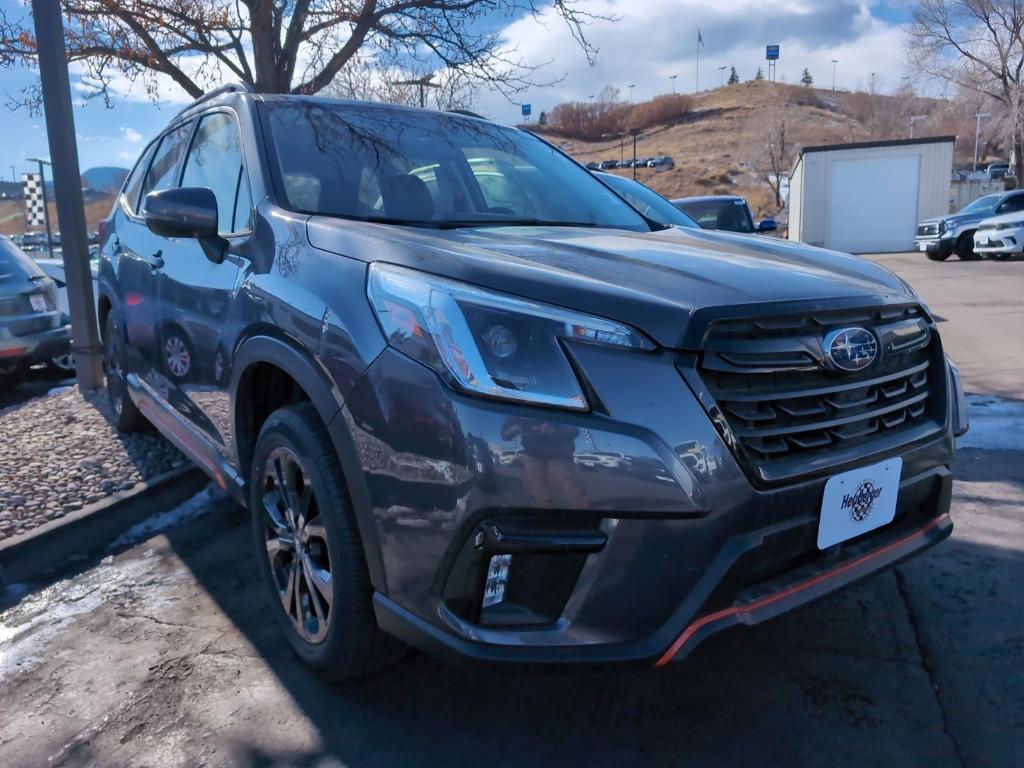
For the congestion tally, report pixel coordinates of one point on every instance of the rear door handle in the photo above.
(156, 261)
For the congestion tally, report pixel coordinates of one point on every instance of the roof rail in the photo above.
(466, 113)
(219, 91)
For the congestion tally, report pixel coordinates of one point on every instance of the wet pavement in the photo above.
(164, 654)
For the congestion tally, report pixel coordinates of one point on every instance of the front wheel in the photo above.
(937, 255)
(309, 551)
(965, 248)
(127, 416)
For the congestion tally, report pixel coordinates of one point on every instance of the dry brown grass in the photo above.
(719, 146)
(12, 215)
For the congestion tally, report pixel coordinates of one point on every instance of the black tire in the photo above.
(126, 415)
(938, 255)
(9, 381)
(313, 531)
(965, 248)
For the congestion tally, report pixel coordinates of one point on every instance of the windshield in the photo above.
(732, 215)
(405, 166)
(981, 204)
(648, 202)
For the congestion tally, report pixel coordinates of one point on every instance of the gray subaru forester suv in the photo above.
(477, 403)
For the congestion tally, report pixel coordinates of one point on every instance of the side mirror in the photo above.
(767, 225)
(186, 212)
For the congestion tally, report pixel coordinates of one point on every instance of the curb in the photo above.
(56, 544)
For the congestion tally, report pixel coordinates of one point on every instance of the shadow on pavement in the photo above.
(925, 667)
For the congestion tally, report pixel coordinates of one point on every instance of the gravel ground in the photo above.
(59, 453)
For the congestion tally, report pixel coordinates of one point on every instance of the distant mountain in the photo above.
(105, 178)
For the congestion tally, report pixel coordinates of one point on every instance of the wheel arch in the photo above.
(303, 369)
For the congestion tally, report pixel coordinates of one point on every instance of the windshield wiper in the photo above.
(513, 223)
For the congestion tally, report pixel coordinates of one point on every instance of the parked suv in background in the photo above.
(940, 238)
(32, 329)
(477, 402)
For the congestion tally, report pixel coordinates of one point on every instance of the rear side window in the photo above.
(15, 266)
(162, 172)
(215, 162)
(133, 183)
(1012, 204)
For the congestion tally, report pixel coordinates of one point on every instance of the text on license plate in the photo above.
(859, 501)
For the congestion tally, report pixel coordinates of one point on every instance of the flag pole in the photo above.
(700, 44)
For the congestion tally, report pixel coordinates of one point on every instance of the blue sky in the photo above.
(864, 35)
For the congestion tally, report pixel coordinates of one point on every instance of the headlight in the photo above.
(942, 227)
(1009, 225)
(489, 343)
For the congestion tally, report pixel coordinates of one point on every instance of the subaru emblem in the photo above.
(851, 349)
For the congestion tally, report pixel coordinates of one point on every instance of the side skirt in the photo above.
(185, 437)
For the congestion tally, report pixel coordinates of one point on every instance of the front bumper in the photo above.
(652, 535)
(999, 241)
(932, 244)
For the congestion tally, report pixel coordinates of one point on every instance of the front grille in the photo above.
(928, 230)
(778, 401)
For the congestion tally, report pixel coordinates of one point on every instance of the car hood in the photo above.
(965, 218)
(654, 281)
(1006, 218)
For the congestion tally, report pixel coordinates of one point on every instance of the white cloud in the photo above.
(653, 39)
(130, 135)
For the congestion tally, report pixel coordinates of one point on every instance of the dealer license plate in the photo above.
(859, 501)
(38, 302)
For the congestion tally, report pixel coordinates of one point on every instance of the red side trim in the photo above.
(703, 621)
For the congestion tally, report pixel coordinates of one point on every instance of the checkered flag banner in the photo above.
(32, 183)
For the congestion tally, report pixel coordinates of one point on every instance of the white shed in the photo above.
(868, 197)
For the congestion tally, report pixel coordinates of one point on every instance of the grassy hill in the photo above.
(720, 144)
(12, 214)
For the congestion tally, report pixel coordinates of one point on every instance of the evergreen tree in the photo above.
(760, 74)
(733, 77)
(806, 78)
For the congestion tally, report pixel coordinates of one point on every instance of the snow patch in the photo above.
(996, 424)
(190, 509)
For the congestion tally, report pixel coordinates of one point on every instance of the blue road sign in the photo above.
(526, 110)
(771, 52)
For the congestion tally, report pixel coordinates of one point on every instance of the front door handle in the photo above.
(156, 261)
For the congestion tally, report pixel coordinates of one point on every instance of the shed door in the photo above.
(874, 204)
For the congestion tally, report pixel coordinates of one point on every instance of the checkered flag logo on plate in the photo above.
(32, 183)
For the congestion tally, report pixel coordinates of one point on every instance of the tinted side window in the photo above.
(215, 162)
(133, 183)
(161, 173)
(1012, 204)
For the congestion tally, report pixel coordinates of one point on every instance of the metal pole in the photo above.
(673, 79)
(13, 176)
(634, 155)
(46, 208)
(60, 130)
(977, 134)
(834, 62)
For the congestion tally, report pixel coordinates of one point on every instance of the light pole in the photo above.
(721, 71)
(631, 86)
(977, 134)
(60, 130)
(14, 176)
(46, 203)
(834, 62)
(913, 119)
(673, 79)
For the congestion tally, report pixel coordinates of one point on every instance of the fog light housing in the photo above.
(497, 579)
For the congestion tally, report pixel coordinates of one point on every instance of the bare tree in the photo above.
(977, 45)
(779, 151)
(282, 46)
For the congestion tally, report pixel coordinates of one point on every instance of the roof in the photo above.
(881, 143)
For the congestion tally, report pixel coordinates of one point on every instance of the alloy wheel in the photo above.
(177, 356)
(296, 545)
(112, 371)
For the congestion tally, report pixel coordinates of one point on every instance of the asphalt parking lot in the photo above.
(162, 654)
